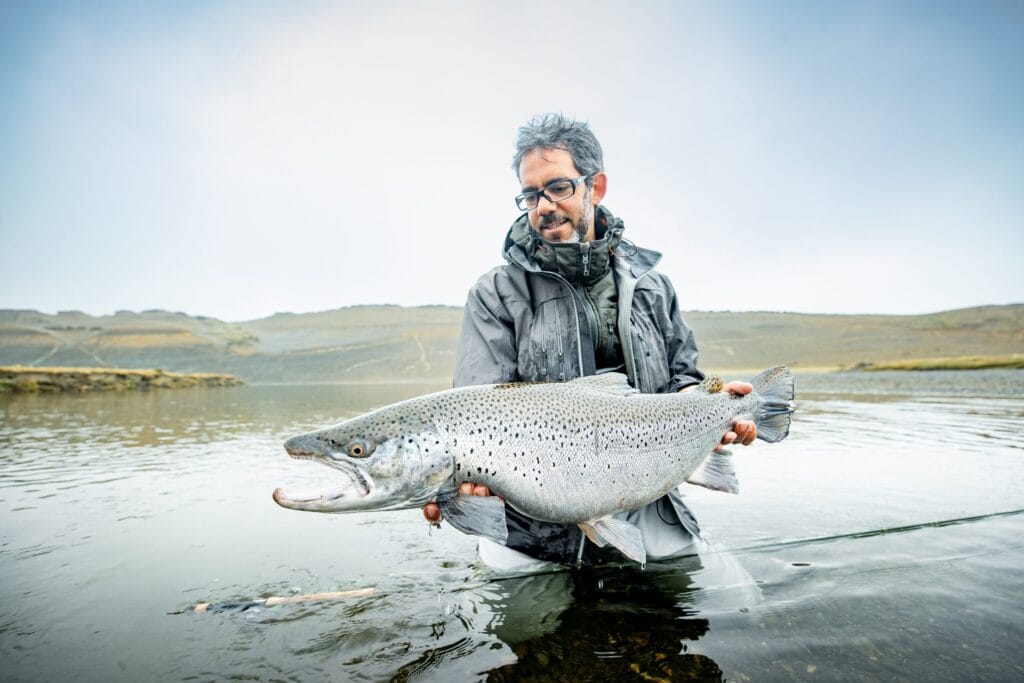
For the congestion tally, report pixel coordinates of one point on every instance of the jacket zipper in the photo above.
(590, 311)
(561, 347)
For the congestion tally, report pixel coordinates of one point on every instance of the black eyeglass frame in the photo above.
(523, 199)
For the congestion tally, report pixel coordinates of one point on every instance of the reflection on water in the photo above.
(116, 509)
(601, 624)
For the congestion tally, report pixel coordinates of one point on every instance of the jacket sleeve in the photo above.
(486, 351)
(680, 346)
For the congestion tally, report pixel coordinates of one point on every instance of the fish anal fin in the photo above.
(592, 534)
(476, 515)
(618, 533)
(717, 473)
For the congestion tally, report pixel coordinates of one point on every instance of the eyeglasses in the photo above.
(555, 191)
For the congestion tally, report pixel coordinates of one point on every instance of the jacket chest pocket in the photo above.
(545, 347)
(649, 353)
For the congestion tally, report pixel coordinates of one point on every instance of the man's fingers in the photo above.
(738, 388)
(746, 432)
(432, 512)
(468, 488)
(751, 434)
(728, 438)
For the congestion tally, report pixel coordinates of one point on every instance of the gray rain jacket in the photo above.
(525, 324)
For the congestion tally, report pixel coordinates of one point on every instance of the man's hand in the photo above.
(743, 432)
(433, 513)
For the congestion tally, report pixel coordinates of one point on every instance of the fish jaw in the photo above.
(395, 476)
(338, 500)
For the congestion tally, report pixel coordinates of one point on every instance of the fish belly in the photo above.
(611, 482)
(587, 468)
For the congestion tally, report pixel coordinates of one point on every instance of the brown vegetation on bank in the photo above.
(398, 344)
(1012, 361)
(21, 379)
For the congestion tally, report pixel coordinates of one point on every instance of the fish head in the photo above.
(387, 465)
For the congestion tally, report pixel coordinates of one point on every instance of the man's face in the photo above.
(568, 220)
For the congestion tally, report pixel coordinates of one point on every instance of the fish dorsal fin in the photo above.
(614, 383)
(712, 384)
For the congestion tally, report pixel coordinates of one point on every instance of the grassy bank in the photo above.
(21, 379)
(954, 363)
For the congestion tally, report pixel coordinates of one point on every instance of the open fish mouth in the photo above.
(359, 485)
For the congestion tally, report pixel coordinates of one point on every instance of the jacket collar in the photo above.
(627, 258)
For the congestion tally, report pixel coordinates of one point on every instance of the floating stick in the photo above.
(281, 600)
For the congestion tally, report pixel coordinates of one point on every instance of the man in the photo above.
(573, 300)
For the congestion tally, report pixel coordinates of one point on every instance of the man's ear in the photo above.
(600, 187)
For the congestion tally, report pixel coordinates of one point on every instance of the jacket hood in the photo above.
(582, 262)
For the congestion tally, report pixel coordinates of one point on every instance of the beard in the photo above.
(579, 227)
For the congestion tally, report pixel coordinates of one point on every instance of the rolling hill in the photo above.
(392, 343)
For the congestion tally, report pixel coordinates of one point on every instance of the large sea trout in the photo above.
(570, 452)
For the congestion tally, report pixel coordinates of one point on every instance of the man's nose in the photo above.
(545, 205)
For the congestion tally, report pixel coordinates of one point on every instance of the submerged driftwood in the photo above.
(22, 379)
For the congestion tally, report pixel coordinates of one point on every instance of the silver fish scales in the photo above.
(572, 452)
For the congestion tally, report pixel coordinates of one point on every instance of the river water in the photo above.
(884, 539)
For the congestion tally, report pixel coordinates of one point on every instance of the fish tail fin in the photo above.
(775, 387)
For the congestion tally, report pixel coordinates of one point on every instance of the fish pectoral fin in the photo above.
(717, 473)
(618, 533)
(476, 515)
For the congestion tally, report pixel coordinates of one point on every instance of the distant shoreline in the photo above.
(394, 344)
(1011, 361)
(22, 379)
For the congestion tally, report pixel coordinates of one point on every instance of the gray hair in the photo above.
(556, 131)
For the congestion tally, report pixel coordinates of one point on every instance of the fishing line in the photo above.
(877, 532)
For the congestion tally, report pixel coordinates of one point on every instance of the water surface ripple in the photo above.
(880, 541)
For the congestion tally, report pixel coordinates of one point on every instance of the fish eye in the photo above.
(359, 448)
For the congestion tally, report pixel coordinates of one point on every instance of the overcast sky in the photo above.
(235, 159)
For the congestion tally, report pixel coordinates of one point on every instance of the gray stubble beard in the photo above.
(586, 220)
